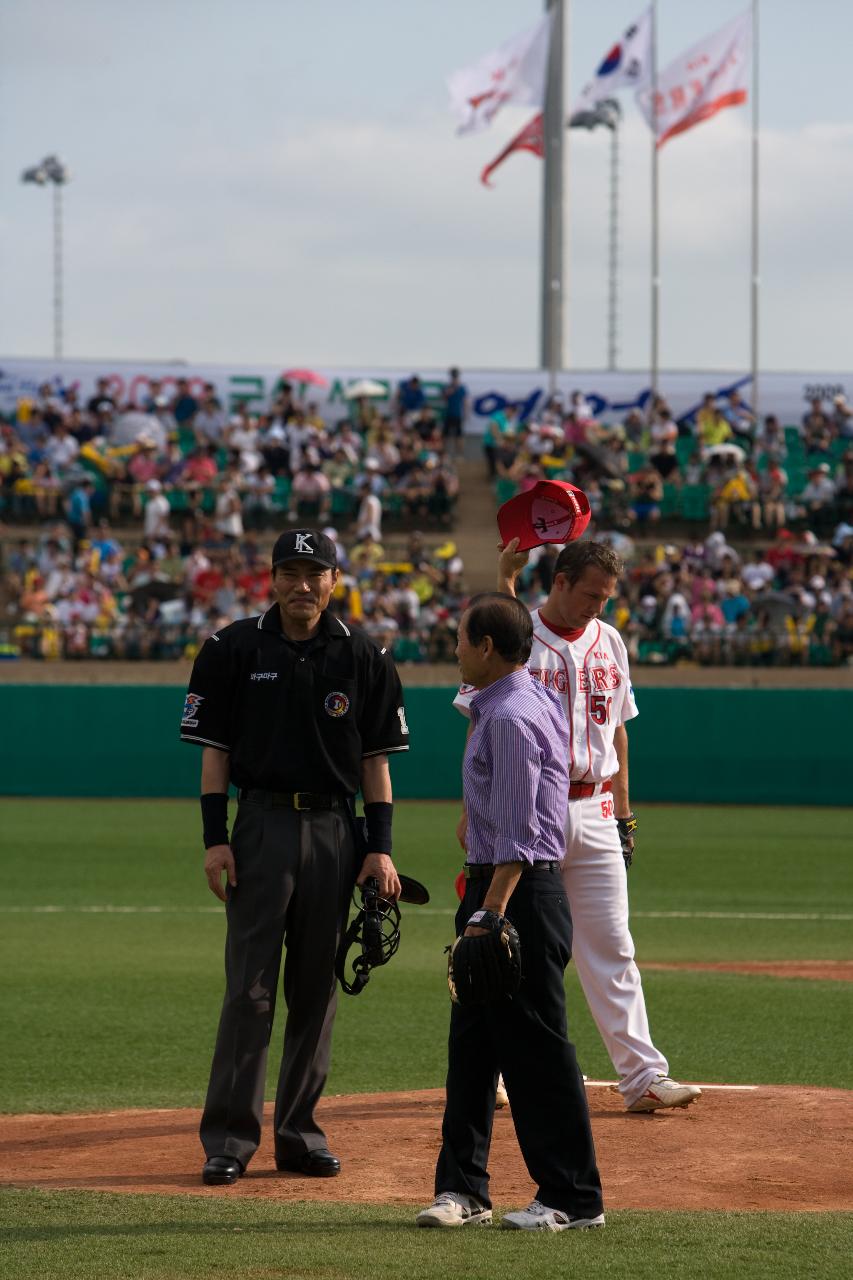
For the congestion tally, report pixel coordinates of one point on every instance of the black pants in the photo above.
(526, 1039)
(295, 873)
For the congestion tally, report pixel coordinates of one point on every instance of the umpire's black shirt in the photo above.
(295, 715)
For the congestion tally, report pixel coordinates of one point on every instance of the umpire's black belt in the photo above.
(483, 870)
(299, 800)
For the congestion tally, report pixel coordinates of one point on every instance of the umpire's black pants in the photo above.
(526, 1039)
(295, 872)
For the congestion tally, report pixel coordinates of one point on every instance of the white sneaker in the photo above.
(451, 1209)
(665, 1092)
(501, 1096)
(538, 1217)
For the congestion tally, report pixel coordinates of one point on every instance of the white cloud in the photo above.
(360, 241)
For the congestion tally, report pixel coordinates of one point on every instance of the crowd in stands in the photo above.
(202, 492)
(184, 454)
(790, 602)
(719, 465)
(704, 601)
(161, 597)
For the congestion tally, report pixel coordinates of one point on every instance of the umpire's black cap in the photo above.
(305, 544)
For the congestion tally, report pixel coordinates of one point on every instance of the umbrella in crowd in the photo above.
(778, 606)
(134, 427)
(725, 452)
(155, 589)
(306, 376)
(599, 459)
(366, 388)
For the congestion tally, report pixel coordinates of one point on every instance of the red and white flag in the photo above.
(627, 65)
(516, 72)
(530, 138)
(708, 77)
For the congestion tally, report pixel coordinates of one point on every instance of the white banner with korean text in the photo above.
(611, 395)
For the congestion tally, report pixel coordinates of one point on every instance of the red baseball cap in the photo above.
(552, 511)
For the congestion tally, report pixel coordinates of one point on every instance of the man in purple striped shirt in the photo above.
(515, 783)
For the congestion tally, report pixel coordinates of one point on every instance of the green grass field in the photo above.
(105, 1237)
(110, 942)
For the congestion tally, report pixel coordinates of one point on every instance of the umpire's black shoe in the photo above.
(315, 1164)
(221, 1171)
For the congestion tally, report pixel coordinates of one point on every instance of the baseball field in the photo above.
(111, 970)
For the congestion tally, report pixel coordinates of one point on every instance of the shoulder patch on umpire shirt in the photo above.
(192, 702)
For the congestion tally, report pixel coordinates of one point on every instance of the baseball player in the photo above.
(585, 661)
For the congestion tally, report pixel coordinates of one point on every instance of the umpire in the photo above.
(298, 711)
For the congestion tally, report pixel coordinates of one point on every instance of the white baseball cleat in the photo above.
(452, 1209)
(538, 1217)
(501, 1096)
(666, 1092)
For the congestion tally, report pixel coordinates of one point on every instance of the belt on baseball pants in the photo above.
(299, 800)
(483, 870)
(583, 790)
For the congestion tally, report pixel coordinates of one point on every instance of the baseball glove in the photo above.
(627, 828)
(486, 968)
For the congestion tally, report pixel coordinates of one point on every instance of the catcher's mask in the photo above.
(376, 929)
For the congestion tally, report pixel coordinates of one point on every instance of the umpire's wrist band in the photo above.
(214, 817)
(377, 816)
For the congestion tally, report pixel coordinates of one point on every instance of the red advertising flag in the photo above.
(711, 75)
(531, 138)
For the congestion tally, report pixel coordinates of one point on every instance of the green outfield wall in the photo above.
(755, 746)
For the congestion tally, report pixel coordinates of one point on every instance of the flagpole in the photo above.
(553, 282)
(613, 247)
(655, 247)
(754, 282)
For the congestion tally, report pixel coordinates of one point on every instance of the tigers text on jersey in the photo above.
(592, 677)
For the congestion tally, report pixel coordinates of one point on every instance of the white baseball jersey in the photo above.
(592, 677)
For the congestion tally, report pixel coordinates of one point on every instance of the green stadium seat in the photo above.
(652, 651)
(695, 501)
(186, 440)
(505, 489)
(669, 503)
(635, 461)
(281, 492)
(407, 649)
(392, 504)
(343, 502)
(685, 447)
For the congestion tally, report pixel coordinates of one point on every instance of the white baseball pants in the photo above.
(603, 949)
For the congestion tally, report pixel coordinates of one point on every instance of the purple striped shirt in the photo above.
(515, 779)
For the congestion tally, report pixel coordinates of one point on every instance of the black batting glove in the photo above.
(626, 828)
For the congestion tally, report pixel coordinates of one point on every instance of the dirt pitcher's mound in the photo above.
(764, 1148)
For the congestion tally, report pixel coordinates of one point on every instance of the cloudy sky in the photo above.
(279, 180)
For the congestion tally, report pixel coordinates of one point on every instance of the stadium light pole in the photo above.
(52, 170)
(608, 113)
(755, 279)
